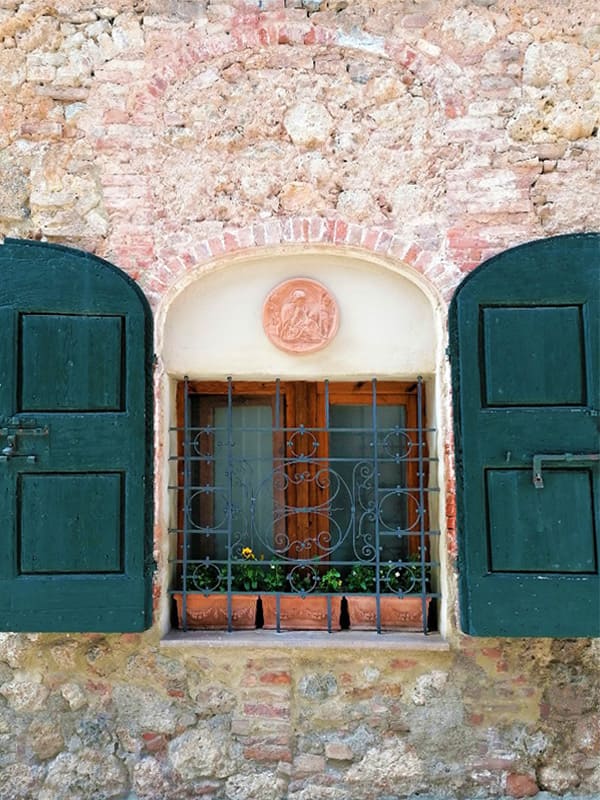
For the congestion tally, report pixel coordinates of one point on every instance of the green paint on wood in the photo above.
(70, 363)
(71, 523)
(533, 356)
(525, 351)
(540, 531)
(75, 359)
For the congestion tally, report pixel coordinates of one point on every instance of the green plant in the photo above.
(274, 577)
(330, 581)
(399, 577)
(414, 571)
(392, 577)
(247, 576)
(303, 579)
(404, 577)
(206, 577)
(361, 578)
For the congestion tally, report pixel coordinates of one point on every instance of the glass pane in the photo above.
(351, 461)
(244, 473)
(252, 478)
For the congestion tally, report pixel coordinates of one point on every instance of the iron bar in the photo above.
(421, 479)
(229, 499)
(375, 446)
(187, 509)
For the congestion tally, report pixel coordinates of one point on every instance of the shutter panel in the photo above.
(525, 353)
(75, 436)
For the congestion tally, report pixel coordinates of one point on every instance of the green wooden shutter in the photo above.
(525, 329)
(75, 443)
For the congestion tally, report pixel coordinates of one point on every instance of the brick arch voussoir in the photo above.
(175, 264)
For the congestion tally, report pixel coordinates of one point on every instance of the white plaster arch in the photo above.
(286, 261)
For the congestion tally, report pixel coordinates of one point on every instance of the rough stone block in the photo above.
(338, 751)
(521, 786)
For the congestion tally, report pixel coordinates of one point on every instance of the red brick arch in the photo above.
(173, 260)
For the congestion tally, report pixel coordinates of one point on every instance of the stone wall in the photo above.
(169, 135)
(117, 716)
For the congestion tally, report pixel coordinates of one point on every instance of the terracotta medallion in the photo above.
(300, 316)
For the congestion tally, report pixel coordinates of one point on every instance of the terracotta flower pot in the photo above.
(397, 613)
(297, 613)
(209, 612)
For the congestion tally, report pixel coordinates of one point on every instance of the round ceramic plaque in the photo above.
(300, 316)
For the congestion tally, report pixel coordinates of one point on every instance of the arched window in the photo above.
(303, 473)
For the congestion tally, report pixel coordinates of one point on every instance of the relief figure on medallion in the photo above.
(300, 316)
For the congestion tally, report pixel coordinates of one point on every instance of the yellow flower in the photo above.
(248, 554)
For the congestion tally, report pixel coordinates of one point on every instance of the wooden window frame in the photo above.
(308, 398)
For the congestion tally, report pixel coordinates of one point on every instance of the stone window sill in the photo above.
(340, 640)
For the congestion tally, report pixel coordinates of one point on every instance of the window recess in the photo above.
(303, 489)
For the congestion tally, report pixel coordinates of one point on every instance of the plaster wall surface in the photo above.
(386, 328)
(192, 137)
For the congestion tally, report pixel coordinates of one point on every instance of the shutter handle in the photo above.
(538, 481)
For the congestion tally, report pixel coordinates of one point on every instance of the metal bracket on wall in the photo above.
(569, 458)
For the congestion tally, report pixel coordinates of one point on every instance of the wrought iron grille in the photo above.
(333, 501)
